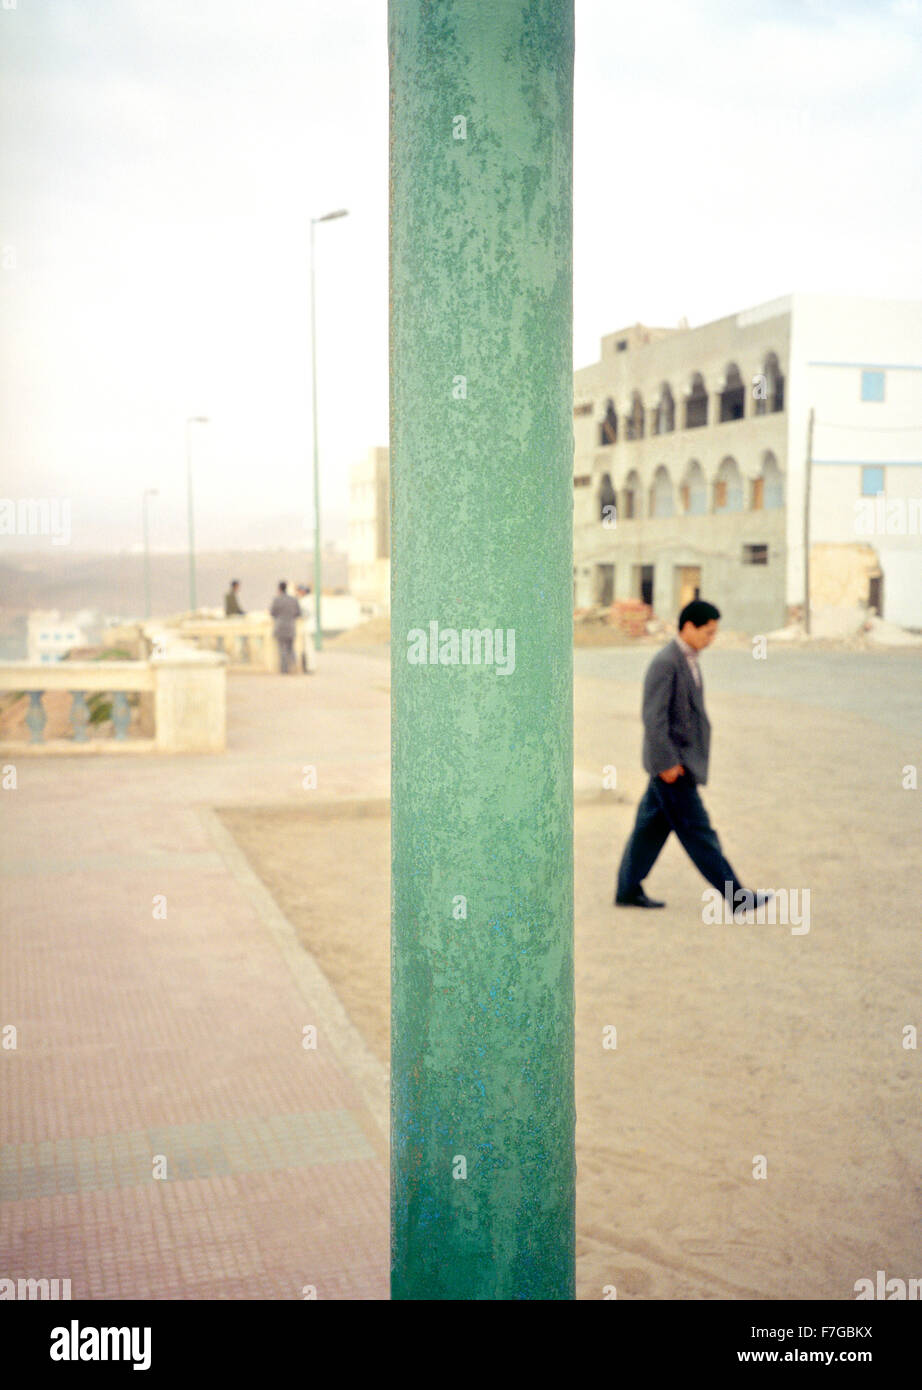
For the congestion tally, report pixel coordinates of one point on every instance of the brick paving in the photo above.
(165, 1131)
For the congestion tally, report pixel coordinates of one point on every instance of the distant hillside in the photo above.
(114, 584)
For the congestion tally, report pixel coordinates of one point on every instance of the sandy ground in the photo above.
(864, 634)
(377, 633)
(734, 1042)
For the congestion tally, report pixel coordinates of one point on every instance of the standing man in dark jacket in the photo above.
(676, 744)
(232, 607)
(286, 611)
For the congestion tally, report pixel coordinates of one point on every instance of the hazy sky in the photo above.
(160, 161)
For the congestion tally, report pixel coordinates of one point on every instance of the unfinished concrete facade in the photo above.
(680, 461)
(689, 458)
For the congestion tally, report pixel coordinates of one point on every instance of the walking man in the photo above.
(676, 744)
(286, 611)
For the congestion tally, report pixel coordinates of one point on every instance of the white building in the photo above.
(49, 637)
(690, 462)
(369, 531)
(858, 363)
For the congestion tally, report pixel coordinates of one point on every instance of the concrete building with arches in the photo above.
(690, 461)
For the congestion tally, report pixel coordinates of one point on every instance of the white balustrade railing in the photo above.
(246, 640)
(187, 690)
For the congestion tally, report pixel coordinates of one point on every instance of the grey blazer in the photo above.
(286, 610)
(676, 728)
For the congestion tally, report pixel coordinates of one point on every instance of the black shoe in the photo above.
(637, 899)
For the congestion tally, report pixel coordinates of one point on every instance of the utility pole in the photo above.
(318, 559)
(148, 492)
(807, 480)
(481, 439)
(192, 420)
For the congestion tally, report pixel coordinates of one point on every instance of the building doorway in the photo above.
(876, 594)
(605, 585)
(687, 585)
(643, 583)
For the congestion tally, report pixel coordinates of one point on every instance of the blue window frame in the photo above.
(872, 386)
(872, 481)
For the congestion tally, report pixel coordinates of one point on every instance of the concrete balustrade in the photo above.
(188, 691)
(246, 640)
(190, 702)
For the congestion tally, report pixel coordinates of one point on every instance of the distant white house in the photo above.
(51, 636)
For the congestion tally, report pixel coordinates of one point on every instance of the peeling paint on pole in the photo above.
(482, 1118)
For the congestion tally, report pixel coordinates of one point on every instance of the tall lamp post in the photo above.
(148, 492)
(192, 420)
(808, 468)
(318, 567)
(483, 1167)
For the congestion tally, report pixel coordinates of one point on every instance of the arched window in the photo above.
(664, 412)
(634, 423)
(608, 502)
(728, 487)
(767, 490)
(773, 483)
(608, 430)
(768, 388)
(694, 490)
(696, 403)
(662, 498)
(733, 396)
(630, 496)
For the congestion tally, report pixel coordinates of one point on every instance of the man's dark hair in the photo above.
(283, 585)
(698, 612)
(235, 583)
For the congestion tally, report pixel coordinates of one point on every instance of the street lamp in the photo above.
(192, 420)
(148, 492)
(318, 568)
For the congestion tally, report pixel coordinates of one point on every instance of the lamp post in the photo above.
(148, 492)
(808, 468)
(483, 1165)
(192, 420)
(318, 567)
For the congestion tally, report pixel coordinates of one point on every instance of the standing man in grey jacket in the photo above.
(676, 745)
(286, 611)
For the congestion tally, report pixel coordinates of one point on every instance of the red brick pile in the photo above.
(630, 616)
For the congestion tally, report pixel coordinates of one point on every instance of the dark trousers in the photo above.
(667, 807)
(286, 654)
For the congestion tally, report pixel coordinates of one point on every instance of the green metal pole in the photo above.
(318, 564)
(192, 595)
(192, 420)
(149, 492)
(482, 1097)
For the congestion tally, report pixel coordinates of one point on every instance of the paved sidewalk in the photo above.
(165, 1133)
(144, 1039)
